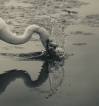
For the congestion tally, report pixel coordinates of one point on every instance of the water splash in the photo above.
(57, 33)
(56, 43)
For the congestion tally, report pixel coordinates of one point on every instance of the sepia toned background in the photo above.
(72, 82)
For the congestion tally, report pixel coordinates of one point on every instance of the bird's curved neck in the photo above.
(9, 37)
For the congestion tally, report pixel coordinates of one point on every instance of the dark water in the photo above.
(73, 82)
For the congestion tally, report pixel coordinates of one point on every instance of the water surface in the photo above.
(70, 83)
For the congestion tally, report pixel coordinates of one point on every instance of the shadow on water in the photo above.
(25, 56)
(32, 56)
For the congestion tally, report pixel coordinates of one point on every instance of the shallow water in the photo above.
(70, 83)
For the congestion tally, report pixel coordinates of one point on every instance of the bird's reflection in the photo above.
(51, 70)
(10, 75)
